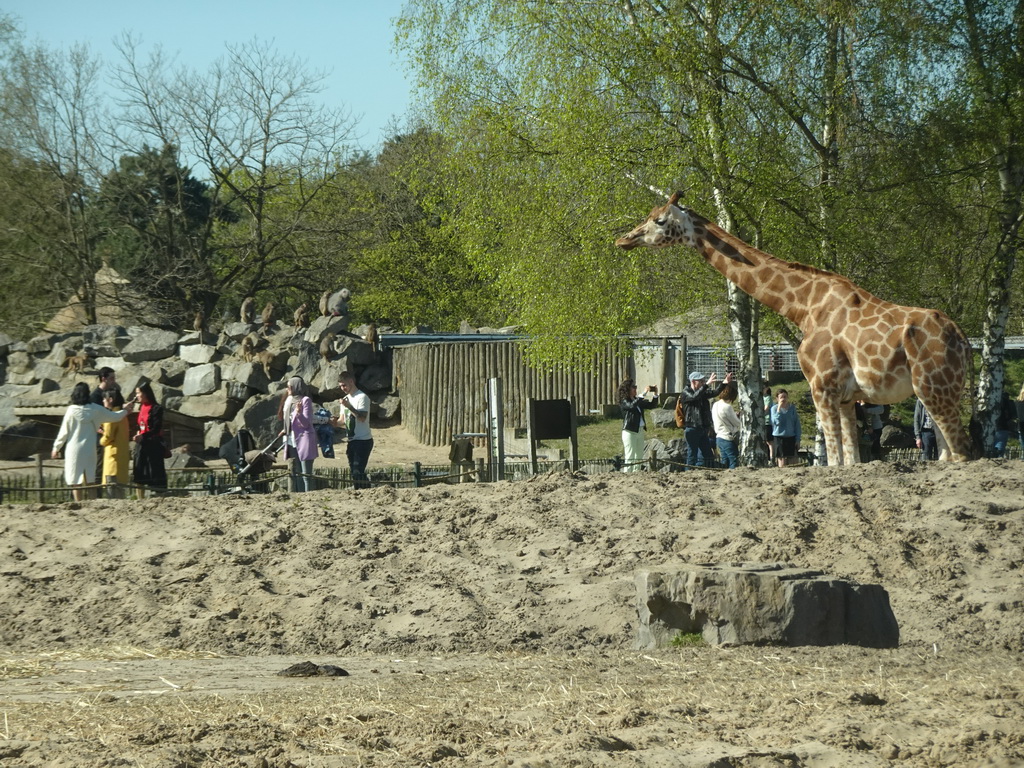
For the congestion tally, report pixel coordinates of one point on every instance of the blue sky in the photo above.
(352, 39)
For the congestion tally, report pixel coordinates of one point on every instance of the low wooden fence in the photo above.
(205, 482)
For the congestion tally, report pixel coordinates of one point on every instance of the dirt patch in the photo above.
(493, 624)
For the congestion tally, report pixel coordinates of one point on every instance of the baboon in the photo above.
(268, 317)
(76, 363)
(266, 359)
(327, 346)
(248, 311)
(199, 323)
(337, 303)
(324, 312)
(372, 337)
(248, 348)
(301, 316)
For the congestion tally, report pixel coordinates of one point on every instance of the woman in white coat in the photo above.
(79, 438)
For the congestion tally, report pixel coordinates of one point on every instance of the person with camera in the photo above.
(633, 406)
(354, 413)
(693, 414)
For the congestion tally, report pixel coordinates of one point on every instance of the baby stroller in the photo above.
(247, 462)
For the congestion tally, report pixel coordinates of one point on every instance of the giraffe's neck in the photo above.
(788, 288)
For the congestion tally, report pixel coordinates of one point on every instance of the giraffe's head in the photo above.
(667, 224)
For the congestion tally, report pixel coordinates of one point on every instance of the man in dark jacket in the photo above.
(695, 409)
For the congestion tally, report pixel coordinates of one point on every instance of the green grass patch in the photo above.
(688, 640)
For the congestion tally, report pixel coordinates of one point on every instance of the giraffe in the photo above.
(855, 346)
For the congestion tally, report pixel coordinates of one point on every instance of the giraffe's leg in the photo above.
(851, 438)
(939, 357)
(937, 370)
(827, 405)
(950, 431)
(942, 446)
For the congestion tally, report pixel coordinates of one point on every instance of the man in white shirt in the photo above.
(355, 414)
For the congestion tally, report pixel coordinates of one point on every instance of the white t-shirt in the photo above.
(727, 423)
(359, 401)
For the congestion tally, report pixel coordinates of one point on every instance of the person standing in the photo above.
(116, 450)
(873, 416)
(149, 470)
(1006, 423)
(77, 438)
(727, 426)
(355, 412)
(924, 433)
(633, 425)
(107, 382)
(766, 399)
(785, 428)
(694, 411)
(300, 437)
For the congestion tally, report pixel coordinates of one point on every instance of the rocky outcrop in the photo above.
(770, 604)
(218, 379)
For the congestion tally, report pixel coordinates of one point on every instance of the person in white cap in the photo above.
(693, 410)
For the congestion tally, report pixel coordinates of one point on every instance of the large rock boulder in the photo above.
(238, 331)
(259, 416)
(10, 395)
(201, 380)
(661, 417)
(385, 406)
(40, 345)
(305, 362)
(19, 361)
(217, 405)
(130, 376)
(149, 344)
(358, 352)
(250, 375)
(215, 434)
(773, 603)
(326, 379)
(197, 354)
(104, 340)
(324, 325)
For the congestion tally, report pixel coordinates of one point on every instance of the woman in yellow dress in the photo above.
(116, 447)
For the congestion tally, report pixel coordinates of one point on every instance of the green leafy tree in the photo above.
(159, 220)
(411, 267)
(56, 133)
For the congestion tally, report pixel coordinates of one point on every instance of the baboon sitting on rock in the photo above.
(327, 346)
(247, 313)
(301, 317)
(268, 317)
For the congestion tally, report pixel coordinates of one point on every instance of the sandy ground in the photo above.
(494, 624)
